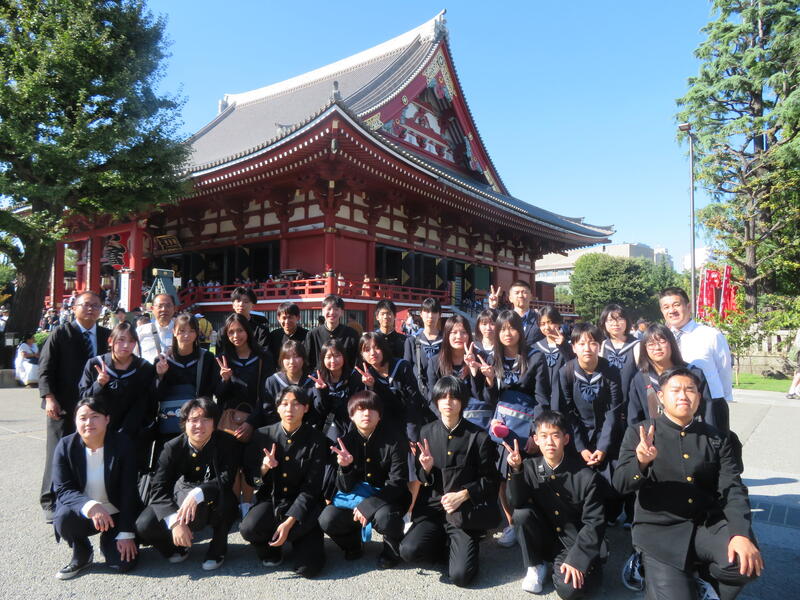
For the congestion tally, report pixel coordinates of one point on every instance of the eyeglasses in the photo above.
(90, 306)
(655, 343)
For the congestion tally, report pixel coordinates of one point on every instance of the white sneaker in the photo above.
(212, 565)
(508, 537)
(534, 579)
(705, 591)
(180, 556)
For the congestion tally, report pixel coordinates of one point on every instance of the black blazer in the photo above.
(61, 363)
(69, 477)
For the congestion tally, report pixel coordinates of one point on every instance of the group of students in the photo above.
(431, 440)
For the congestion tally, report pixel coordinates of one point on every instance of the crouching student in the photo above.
(94, 480)
(558, 512)
(692, 509)
(284, 462)
(371, 483)
(457, 466)
(191, 488)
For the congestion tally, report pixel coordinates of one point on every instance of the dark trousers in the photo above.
(430, 535)
(338, 523)
(539, 543)
(307, 539)
(55, 431)
(75, 529)
(710, 549)
(220, 517)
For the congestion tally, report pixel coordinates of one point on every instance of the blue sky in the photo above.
(575, 101)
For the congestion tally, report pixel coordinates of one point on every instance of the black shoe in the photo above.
(75, 568)
(48, 515)
(272, 557)
(354, 553)
(387, 560)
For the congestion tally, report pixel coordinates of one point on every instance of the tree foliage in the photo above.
(744, 109)
(634, 283)
(83, 129)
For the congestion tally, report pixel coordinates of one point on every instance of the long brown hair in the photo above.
(513, 320)
(446, 352)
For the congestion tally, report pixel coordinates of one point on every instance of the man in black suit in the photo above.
(61, 363)
(94, 479)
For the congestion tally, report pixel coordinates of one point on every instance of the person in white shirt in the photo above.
(704, 347)
(94, 480)
(155, 338)
(26, 364)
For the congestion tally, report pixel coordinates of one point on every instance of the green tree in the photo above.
(600, 279)
(744, 109)
(83, 129)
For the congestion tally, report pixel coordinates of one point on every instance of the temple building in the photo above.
(367, 177)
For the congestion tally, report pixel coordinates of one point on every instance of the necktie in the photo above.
(678, 334)
(87, 339)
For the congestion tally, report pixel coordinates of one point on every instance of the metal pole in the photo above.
(691, 215)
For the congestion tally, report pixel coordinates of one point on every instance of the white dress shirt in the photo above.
(96, 488)
(705, 347)
(147, 341)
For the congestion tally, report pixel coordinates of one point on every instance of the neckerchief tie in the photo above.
(589, 388)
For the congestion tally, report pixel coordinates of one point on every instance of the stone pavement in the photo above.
(29, 557)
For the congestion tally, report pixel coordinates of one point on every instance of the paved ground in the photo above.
(767, 424)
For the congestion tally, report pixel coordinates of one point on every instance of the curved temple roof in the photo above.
(252, 121)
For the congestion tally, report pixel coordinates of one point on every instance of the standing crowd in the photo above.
(431, 439)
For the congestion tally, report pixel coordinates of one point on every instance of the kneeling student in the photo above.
(284, 462)
(457, 467)
(692, 509)
(94, 480)
(192, 487)
(558, 512)
(371, 483)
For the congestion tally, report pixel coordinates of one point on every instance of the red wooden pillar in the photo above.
(371, 250)
(136, 264)
(95, 248)
(57, 279)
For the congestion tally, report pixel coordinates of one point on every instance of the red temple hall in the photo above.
(367, 178)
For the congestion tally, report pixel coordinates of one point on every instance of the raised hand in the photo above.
(162, 366)
(646, 452)
(425, 456)
(494, 296)
(366, 377)
(514, 458)
(319, 383)
(269, 462)
(102, 375)
(343, 457)
(486, 369)
(225, 371)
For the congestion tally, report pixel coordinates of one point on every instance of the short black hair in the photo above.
(450, 386)
(521, 283)
(299, 394)
(333, 299)
(432, 305)
(380, 340)
(674, 291)
(94, 403)
(552, 314)
(365, 400)
(677, 372)
(609, 310)
(241, 292)
(552, 418)
(386, 305)
(585, 327)
(289, 308)
(204, 403)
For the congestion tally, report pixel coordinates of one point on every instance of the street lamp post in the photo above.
(687, 128)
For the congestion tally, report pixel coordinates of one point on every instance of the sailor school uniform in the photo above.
(246, 384)
(554, 357)
(420, 352)
(273, 386)
(403, 405)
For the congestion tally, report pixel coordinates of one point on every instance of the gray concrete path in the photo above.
(768, 424)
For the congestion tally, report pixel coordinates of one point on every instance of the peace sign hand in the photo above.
(102, 375)
(343, 457)
(224, 370)
(425, 456)
(470, 360)
(366, 377)
(319, 383)
(269, 462)
(646, 452)
(487, 370)
(514, 458)
(162, 366)
(494, 296)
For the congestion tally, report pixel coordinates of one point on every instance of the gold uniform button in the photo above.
(558, 529)
(552, 476)
(197, 468)
(449, 437)
(285, 474)
(555, 512)
(637, 476)
(449, 453)
(685, 456)
(369, 459)
(194, 454)
(369, 474)
(683, 434)
(285, 458)
(689, 478)
(690, 500)
(557, 494)
(285, 489)
(288, 441)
